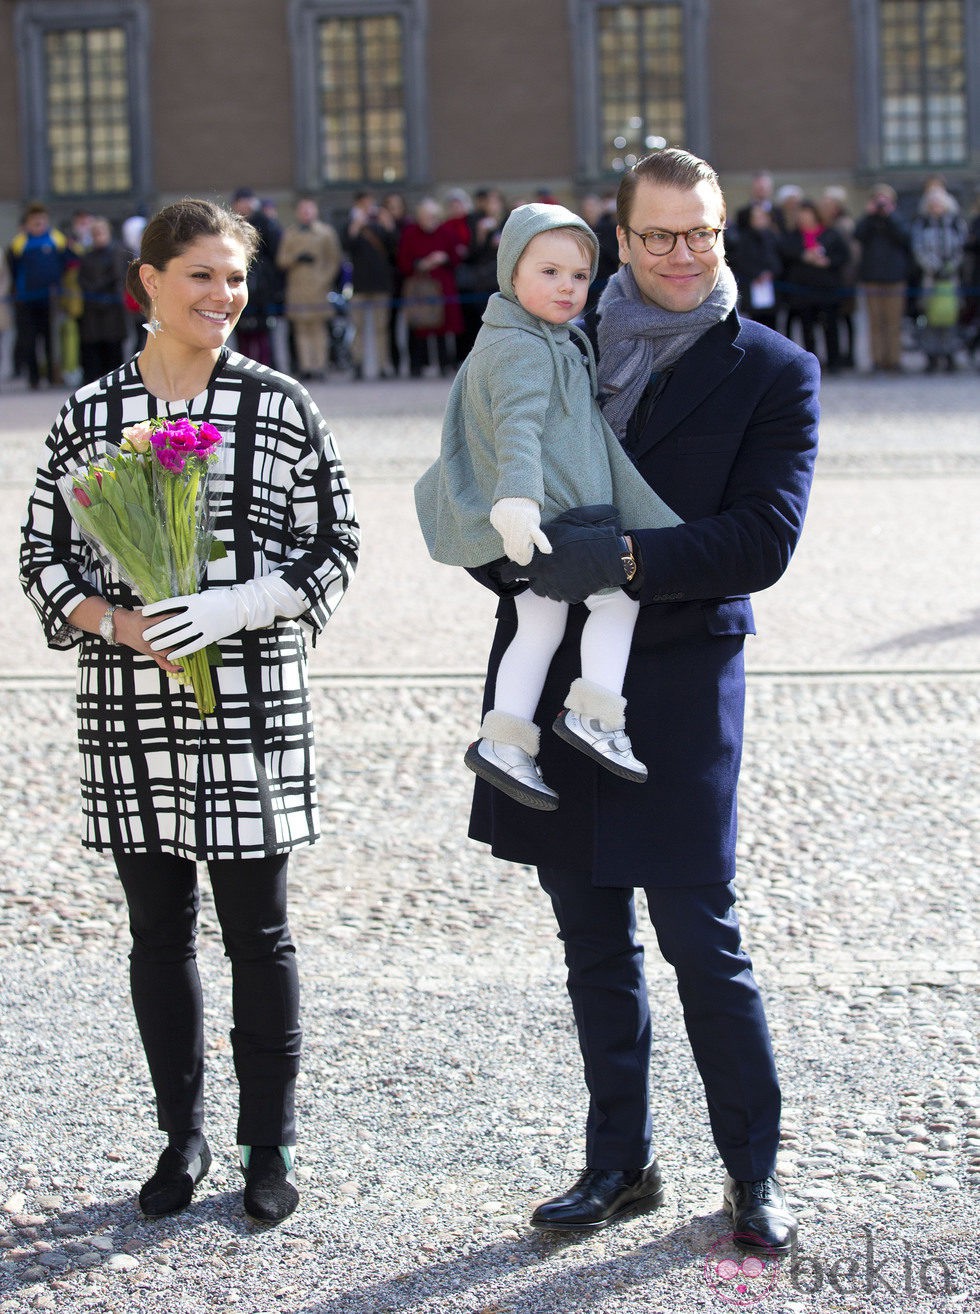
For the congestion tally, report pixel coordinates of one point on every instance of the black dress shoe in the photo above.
(600, 1197)
(761, 1222)
(172, 1185)
(270, 1183)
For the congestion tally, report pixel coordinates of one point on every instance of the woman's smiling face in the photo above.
(200, 294)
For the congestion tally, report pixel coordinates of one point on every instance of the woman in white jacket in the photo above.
(161, 788)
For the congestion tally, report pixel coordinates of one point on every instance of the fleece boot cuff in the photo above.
(508, 729)
(592, 700)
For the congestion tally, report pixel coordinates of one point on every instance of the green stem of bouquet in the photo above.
(180, 500)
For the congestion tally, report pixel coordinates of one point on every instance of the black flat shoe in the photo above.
(761, 1222)
(270, 1182)
(172, 1185)
(602, 1196)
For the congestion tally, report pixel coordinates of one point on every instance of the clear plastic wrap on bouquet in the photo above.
(147, 509)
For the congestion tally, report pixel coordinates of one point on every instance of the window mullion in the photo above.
(642, 82)
(922, 26)
(86, 109)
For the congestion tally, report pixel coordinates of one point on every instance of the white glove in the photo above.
(197, 619)
(518, 522)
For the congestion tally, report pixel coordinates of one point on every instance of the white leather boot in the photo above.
(594, 722)
(505, 757)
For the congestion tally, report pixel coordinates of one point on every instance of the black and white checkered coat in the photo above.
(155, 776)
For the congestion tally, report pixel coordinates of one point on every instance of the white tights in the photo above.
(605, 648)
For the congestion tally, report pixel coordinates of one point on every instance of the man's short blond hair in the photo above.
(667, 168)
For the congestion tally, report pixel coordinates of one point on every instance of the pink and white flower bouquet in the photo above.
(147, 510)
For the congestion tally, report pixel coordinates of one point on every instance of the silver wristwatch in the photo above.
(107, 626)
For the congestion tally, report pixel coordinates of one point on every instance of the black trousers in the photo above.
(419, 352)
(250, 900)
(826, 317)
(33, 321)
(100, 358)
(698, 934)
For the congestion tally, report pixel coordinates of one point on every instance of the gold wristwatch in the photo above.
(628, 560)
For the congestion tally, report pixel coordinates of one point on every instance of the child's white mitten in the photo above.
(518, 522)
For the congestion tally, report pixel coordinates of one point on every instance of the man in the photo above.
(476, 274)
(309, 255)
(720, 417)
(38, 257)
(760, 194)
(884, 266)
(371, 241)
(102, 281)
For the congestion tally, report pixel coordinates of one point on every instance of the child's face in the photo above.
(552, 277)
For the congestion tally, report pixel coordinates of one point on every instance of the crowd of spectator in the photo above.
(62, 298)
(386, 290)
(809, 268)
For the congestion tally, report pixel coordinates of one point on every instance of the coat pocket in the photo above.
(728, 616)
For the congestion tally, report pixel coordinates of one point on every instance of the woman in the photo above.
(162, 787)
(393, 213)
(834, 213)
(815, 258)
(939, 238)
(428, 247)
(757, 265)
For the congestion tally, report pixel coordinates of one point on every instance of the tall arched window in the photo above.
(360, 97)
(637, 66)
(919, 83)
(84, 99)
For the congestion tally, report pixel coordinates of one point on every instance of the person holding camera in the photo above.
(371, 241)
(309, 255)
(883, 273)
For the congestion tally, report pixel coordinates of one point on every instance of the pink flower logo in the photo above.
(737, 1278)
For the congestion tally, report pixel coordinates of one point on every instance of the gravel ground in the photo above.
(431, 973)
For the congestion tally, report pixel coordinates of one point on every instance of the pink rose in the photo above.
(137, 436)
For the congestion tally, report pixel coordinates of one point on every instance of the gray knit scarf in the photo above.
(637, 339)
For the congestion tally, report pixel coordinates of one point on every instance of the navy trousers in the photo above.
(698, 934)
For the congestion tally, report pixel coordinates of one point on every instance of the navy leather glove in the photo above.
(586, 556)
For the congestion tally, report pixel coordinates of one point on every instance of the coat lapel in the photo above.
(698, 372)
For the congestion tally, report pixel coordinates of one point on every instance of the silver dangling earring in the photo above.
(153, 326)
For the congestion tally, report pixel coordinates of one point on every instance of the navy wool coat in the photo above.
(730, 444)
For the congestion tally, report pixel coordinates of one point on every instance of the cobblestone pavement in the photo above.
(441, 1093)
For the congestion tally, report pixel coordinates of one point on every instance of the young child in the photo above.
(523, 438)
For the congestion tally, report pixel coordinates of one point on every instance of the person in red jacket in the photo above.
(428, 246)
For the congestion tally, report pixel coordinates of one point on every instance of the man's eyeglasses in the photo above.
(661, 241)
